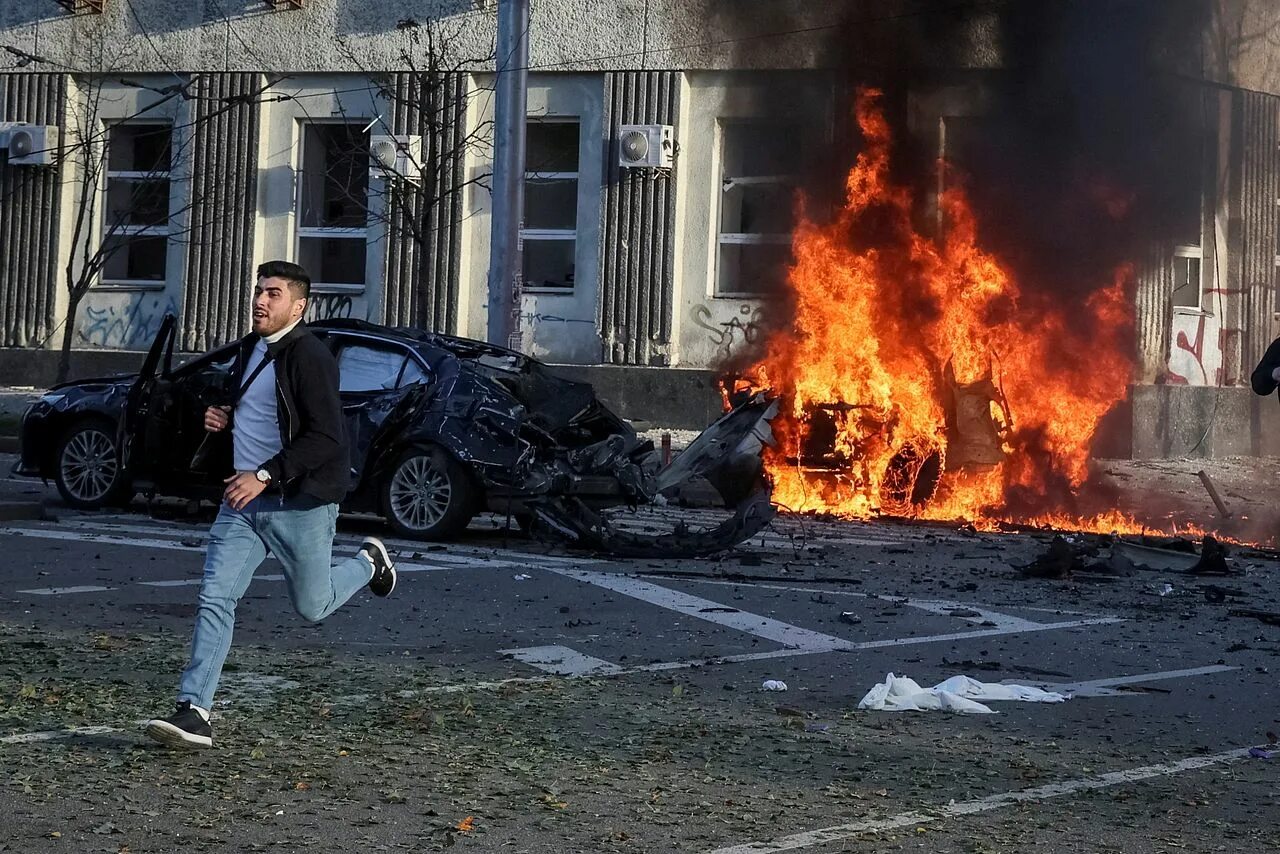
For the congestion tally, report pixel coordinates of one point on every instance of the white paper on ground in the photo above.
(957, 694)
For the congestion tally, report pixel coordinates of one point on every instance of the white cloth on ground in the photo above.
(957, 694)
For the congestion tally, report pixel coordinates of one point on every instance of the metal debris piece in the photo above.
(1059, 561)
(575, 522)
(1271, 618)
(1213, 494)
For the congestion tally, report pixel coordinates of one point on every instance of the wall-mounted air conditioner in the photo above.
(646, 146)
(397, 156)
(30, 145)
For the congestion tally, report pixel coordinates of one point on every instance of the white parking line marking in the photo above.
(1105, 687)
(800, 641)
(1003, 623)
(990, 633)
(705, 609)
(843, 832)
(563, 661)
(426, 551)
(928, 604)
(100, 539)
(186, 582)
(59, 591)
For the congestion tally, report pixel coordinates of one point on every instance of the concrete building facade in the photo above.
(235, 131)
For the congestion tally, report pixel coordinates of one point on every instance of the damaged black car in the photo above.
(441, 428)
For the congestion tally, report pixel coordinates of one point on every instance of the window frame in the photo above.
(127, 231)
(1187, 250)
(302, 232)
(723, 184)
(554, 234)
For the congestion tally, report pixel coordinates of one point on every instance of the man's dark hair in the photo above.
(299, 281)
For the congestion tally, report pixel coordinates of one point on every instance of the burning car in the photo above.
(440, 429)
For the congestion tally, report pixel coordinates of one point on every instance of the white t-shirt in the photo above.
(255, 430)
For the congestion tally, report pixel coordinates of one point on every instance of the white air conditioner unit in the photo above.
(31, 145)
(646, 146)
(397, 156)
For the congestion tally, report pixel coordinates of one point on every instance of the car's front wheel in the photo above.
(88, 472)
(429, 495)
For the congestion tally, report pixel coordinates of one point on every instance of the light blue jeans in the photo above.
(299, 533)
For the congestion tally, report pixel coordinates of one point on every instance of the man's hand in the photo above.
(241, 489)
(1275, 374)
(216, 418)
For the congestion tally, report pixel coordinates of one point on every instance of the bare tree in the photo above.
(427, 96)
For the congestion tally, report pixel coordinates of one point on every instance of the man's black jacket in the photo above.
(314, 459)
(1261, 380)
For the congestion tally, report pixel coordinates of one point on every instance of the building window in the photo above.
(135, 221)
(333, 205)
(759, 167)
(1186, 276)
(550, 228)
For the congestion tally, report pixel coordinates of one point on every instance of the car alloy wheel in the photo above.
(88, 466)
(429, 494)
(420, 493)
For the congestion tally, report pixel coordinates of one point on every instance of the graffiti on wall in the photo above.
(330, 307)
(732, 336)
(131, 325)
(1191, 362)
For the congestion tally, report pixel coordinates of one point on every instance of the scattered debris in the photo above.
(1066, 558)
(773, 685)
(1213, 494)
(1215, 594)
(1060, 561)
(850, 618)
(957, 694)
(522, 577)
(1271, 618)
(1259, 753)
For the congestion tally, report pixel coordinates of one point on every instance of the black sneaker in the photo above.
(384, 573)
(186, 727)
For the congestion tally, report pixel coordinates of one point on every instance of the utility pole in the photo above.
(506, 263)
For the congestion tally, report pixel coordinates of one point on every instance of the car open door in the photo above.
(139, 403)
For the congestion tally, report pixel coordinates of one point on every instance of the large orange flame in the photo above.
(903, 344)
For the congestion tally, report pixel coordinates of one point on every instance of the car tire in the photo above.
(429, 495)
(87, 468)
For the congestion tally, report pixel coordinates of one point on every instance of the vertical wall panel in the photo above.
(637, 262)
(29, 216)
(425, 222)
(1260, 189)
(1154, 304)
(226, 120)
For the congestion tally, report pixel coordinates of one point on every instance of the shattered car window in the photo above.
(369, 368)
(412, 373)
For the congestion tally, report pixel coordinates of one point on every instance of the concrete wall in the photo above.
(240, 35)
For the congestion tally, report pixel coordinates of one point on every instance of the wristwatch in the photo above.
(263, 476)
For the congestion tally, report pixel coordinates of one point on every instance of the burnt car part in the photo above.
(576, 523)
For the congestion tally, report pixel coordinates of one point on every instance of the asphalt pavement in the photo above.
(512, 695)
